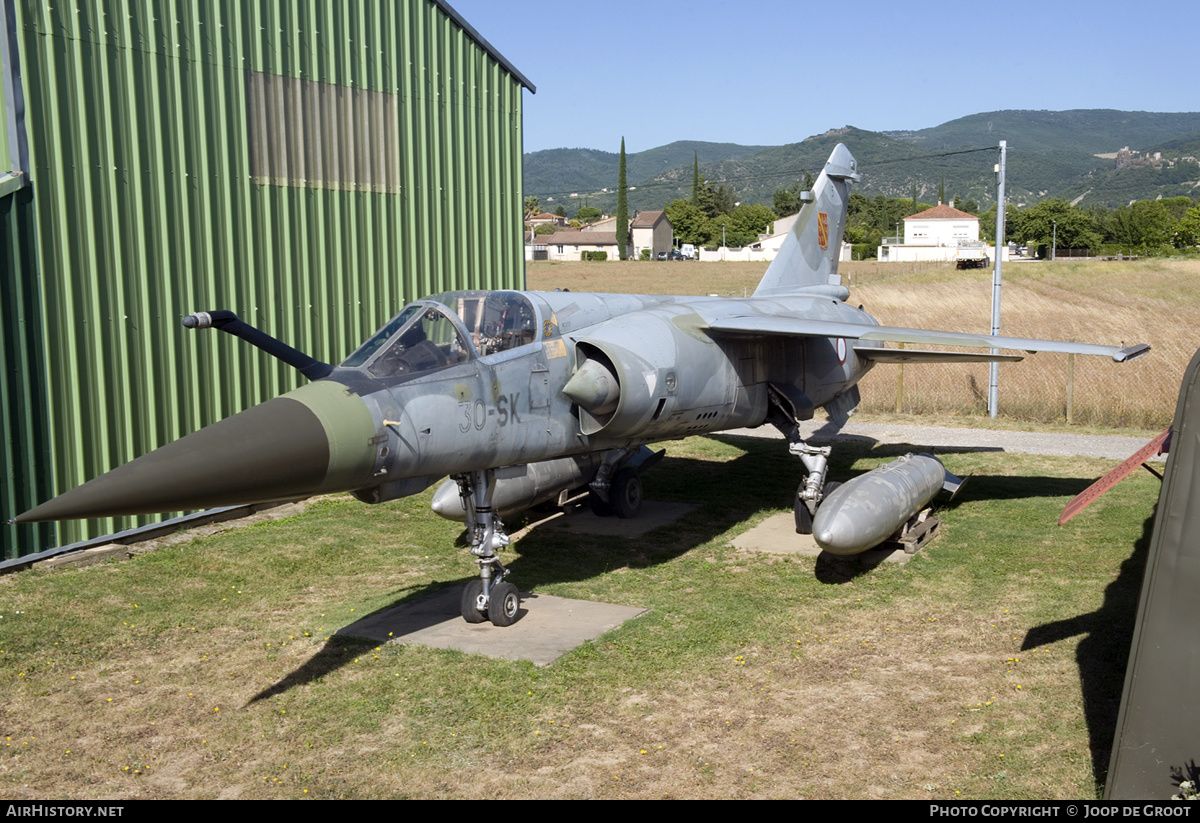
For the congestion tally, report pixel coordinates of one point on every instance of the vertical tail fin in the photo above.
(809, 255)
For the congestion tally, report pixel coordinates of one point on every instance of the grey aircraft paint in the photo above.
(467, 383)
(865, 511)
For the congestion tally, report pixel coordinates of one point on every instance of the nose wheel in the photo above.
(501, 605)
(504, 604)
(488, 597)
(472, 597)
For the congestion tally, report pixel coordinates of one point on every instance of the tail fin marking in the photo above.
(809, 254)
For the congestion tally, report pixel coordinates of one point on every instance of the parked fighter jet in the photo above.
(516, 395)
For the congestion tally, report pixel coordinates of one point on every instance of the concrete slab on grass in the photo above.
(547, 627)
(777, 535)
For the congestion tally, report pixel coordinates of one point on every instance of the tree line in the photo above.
(713, 217)
(1142, 227)
(1163, 226)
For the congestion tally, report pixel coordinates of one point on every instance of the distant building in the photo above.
(545, 218)
(606, 223)
(941, 226)
(768, 245)
(647, 230)
(570, 245)
(934, 235)
(651, 230)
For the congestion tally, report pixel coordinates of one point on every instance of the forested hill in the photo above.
(559, 172)
(1051, 154)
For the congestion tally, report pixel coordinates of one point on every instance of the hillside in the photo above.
(1090, 131)
(1144, 176)
(552, 175)
(1051, 154)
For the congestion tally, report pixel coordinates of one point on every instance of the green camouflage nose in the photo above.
(313, 440)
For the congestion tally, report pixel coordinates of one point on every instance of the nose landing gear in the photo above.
(489, 597)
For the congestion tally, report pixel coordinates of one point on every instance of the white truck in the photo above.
(973, 256)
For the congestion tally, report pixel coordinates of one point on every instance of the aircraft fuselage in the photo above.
(674, 380)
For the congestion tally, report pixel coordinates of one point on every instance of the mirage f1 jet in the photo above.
(519, 395)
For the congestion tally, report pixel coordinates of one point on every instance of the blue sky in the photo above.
(773, 72)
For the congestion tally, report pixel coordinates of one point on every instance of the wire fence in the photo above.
(1047, 388)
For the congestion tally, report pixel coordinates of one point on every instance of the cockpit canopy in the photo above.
(445, 330)
(497, 320)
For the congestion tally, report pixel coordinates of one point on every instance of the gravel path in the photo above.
(1082, 445)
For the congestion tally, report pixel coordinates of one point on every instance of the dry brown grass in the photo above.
(1151, 302)
(1154, 301)
(646, 277)
(210, 669)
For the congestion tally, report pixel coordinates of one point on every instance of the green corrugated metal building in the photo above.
(310, 165)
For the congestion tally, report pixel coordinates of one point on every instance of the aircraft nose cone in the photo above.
(312, 440)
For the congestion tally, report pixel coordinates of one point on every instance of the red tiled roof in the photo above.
(941, 212)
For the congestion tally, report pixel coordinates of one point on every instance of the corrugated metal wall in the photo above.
(143, 207)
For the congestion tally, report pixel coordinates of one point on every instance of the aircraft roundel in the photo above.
(841, 349)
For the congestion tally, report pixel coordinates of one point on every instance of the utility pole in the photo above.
(994, 372)
(1054, 241)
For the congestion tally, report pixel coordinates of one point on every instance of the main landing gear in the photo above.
(617, 488)
(489, 597)
(812, 489)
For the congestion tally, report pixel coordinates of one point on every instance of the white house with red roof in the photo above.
(544, 219)
(934, 235)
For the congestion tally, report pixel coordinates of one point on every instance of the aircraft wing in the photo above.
(770, 325)
(878, 355)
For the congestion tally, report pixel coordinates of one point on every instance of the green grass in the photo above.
(212, 668)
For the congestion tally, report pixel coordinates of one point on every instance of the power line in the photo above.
(925, 157)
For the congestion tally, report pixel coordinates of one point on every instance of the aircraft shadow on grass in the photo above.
(548, 555)
(728, 492)
(1103, 654)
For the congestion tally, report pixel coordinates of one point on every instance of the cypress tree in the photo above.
(695, 179)
(622, 209)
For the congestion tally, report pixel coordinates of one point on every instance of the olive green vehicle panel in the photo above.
(1157, 740)
(347, 431)
(274, 451)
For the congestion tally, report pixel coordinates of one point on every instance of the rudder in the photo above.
(809, 254)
